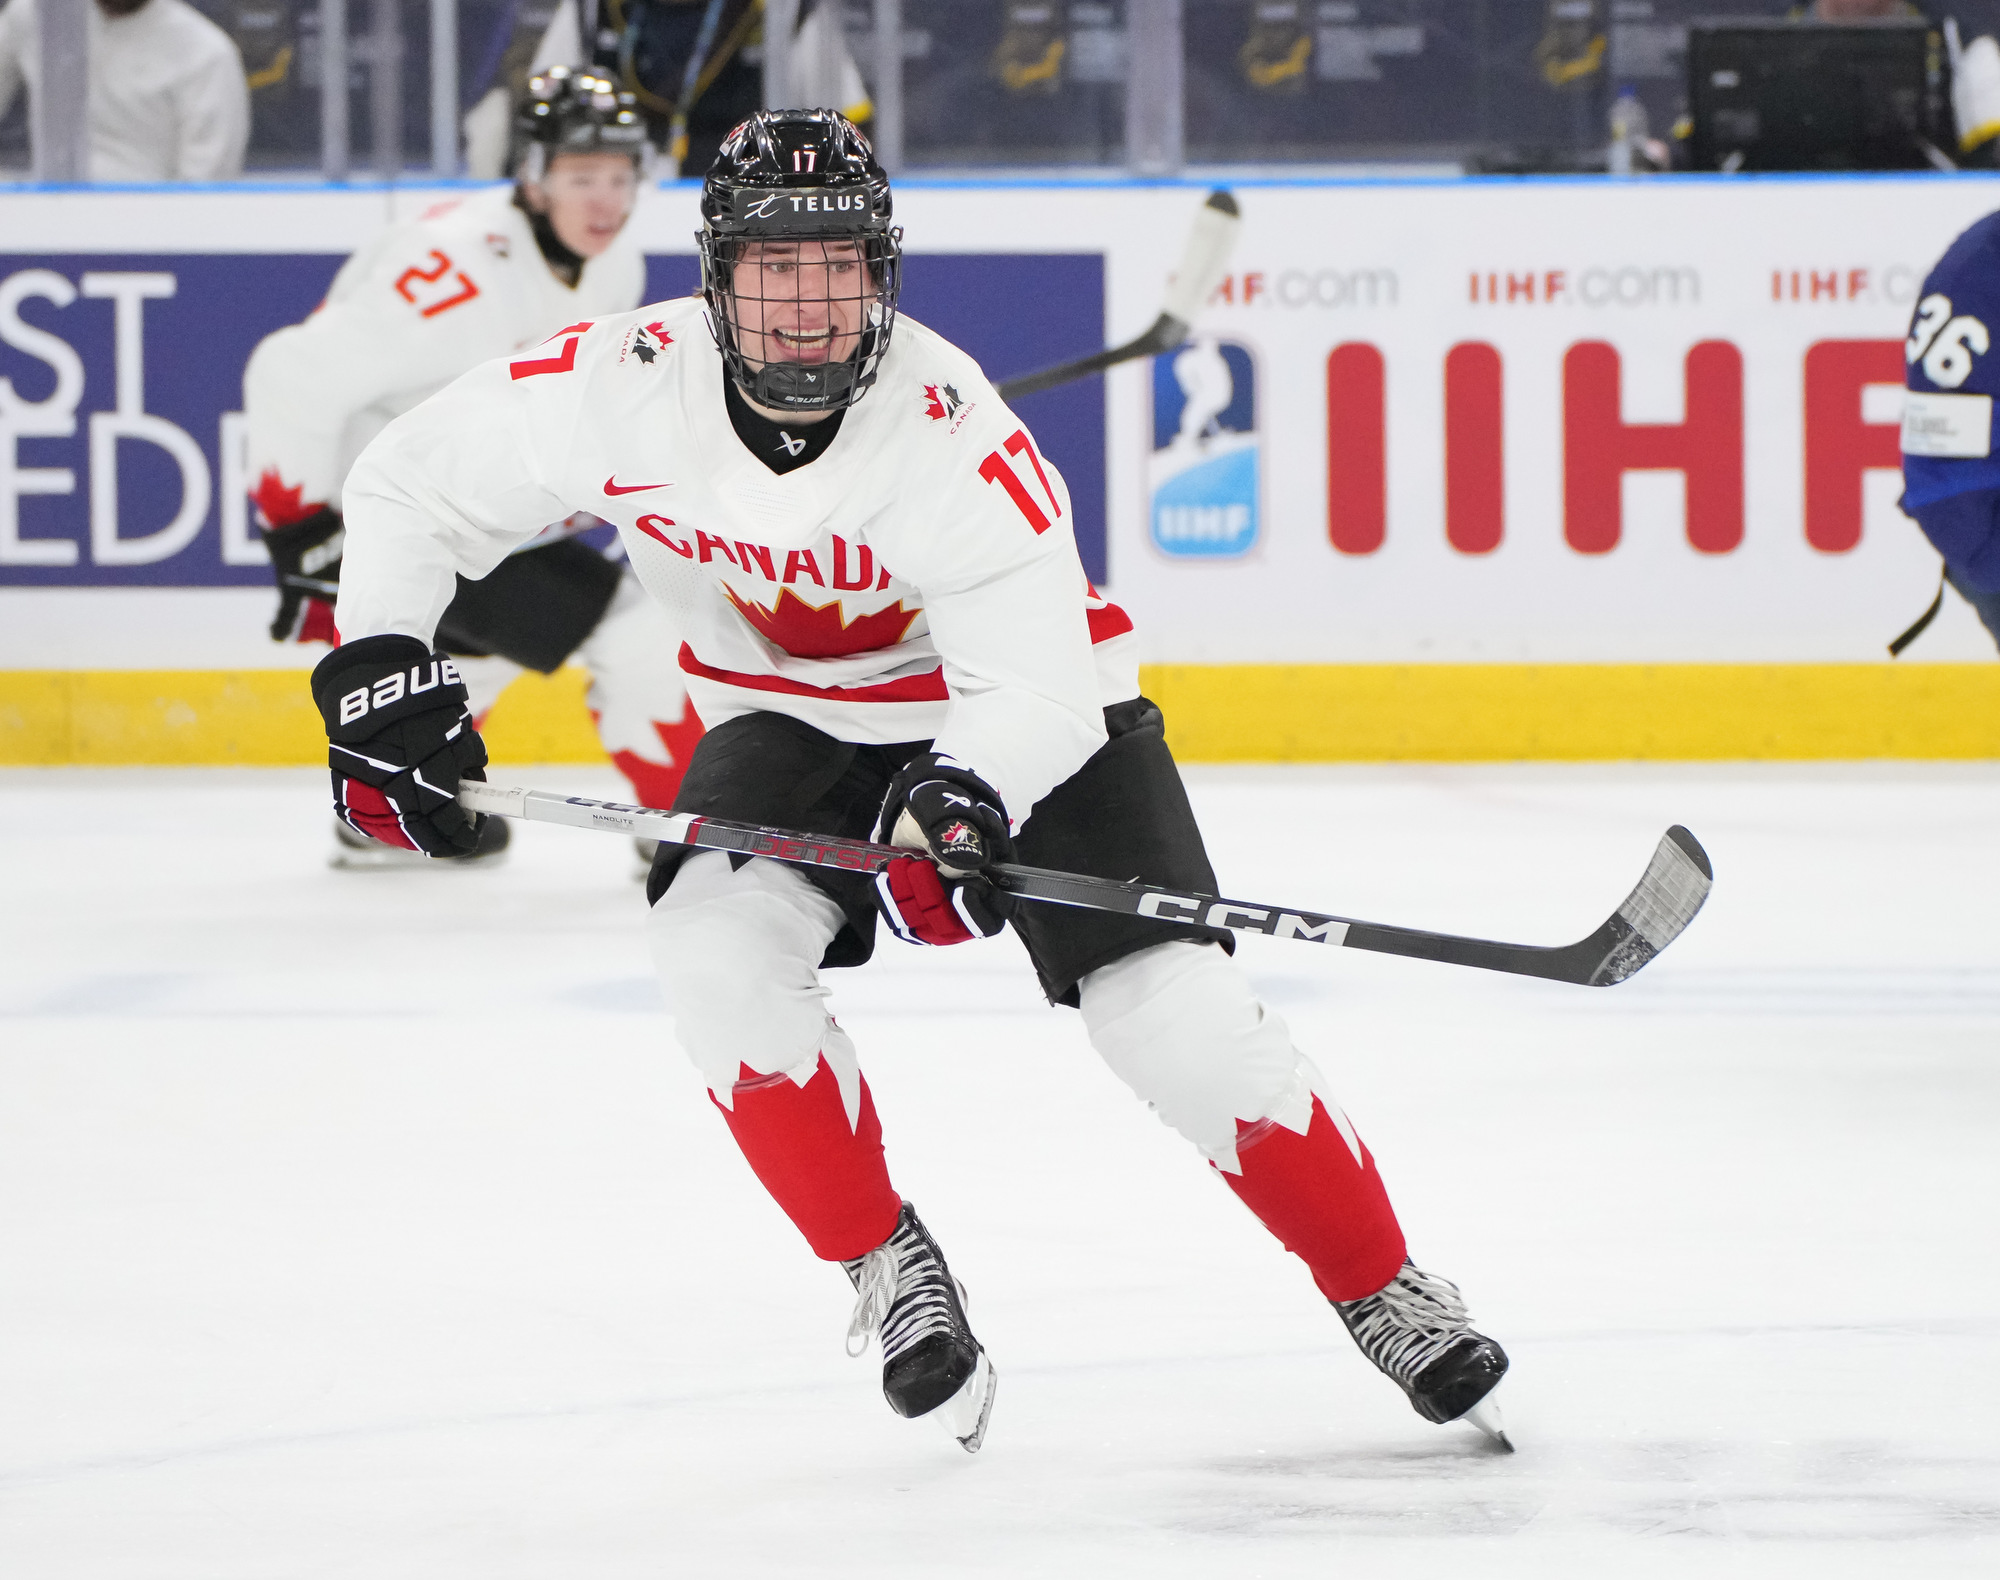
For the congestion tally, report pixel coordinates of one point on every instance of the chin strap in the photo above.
(567, 265)
(824, 386)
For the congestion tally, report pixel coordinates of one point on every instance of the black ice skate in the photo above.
(931, 1363)
(1418, 1332)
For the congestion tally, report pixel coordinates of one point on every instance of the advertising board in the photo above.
(1536, 424)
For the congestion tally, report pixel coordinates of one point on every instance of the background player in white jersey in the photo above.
(470, 281)
(888, 630)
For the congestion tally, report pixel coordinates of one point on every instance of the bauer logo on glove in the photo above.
(392, 688)
(399, 740)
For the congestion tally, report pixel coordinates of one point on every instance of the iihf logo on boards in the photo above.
(1202, 474)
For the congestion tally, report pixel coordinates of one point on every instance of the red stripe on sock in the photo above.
(831, 1180)
(1330, 1212)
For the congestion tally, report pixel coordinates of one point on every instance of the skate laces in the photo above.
(874, 1278)
(1406, 1326)
(903, 1292)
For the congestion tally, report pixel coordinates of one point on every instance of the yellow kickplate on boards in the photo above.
(1215, 713)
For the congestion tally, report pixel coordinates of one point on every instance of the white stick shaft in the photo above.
(543, 806)
(1205, 259)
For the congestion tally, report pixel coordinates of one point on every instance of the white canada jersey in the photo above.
(405, 316)
(918, 581)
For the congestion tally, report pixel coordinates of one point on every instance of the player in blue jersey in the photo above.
(1951, 475)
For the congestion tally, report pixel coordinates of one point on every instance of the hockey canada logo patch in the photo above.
(961, 839)
(943, 403)
(646, 343)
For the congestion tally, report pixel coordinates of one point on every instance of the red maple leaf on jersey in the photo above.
(278, 505)
(654, 783)
(644, 349)
(944, 401)
(808, 632)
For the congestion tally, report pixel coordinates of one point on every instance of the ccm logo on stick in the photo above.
(1221, 913)
(392, 689)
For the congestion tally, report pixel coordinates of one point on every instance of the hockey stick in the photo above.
(1203, 261)
(1675, 884)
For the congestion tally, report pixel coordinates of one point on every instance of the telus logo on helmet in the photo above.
(802, 208)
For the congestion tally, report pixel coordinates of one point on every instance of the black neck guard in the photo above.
(783, 447)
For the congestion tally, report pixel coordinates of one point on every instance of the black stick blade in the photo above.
(1672, 890)
(1675, 884)
(1166, 333)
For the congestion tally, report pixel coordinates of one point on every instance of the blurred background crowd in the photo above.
(222, 89)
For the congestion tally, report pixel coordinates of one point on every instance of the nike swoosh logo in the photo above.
(612, 487)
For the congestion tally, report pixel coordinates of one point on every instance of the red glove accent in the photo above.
(924, 908)
(370, 811)
(917, 905)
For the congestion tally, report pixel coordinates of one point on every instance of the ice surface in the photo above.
(371, 1225)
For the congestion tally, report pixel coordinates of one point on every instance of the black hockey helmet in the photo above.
(799, 193)
(569, 111)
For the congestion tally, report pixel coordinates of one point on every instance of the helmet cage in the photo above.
(817, 276)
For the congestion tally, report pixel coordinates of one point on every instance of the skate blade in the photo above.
(378, 858)
(346, 859)
(1486, 1416)
(965, 1413)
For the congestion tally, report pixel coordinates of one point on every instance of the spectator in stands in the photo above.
(167, 97)
(689, 63)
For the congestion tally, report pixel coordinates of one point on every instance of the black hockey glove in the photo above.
(952, 813)
(401, 739)
(306, 556)
(956, 819)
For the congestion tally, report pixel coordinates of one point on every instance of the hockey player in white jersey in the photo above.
(889, 632)
(470, 281)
